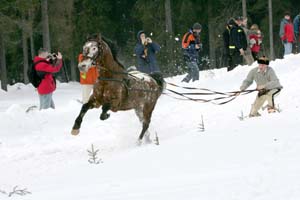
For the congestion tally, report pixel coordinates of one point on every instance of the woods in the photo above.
(27, 25)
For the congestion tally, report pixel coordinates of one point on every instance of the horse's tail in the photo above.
(158, 77)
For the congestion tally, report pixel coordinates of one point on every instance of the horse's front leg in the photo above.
(85, 107)
(104, 115)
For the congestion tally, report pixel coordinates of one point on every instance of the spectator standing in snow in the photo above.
(248, 59)
(228, 50)
(45, 69)
(255, 40)
(191, 45)
(237, 43)
(286, 33)
(145, 51)
(267, 83)
(296, 31)
(87, 80)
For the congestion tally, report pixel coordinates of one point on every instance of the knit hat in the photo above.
(231, 21)
(263, 60)
(239, 18)
(197, 26)
(287, 13)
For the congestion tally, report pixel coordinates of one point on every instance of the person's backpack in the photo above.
(33, 76)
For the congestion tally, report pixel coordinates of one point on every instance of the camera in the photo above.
(52, 58)
(147, 40)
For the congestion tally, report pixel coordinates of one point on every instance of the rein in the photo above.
(226, 96)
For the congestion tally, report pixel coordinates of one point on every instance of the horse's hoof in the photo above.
(104, 116)
(75, 132)
(148, 140)
(139, 142)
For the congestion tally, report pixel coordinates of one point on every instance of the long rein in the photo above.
(227, 96)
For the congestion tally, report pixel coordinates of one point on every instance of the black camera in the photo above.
(52, 58)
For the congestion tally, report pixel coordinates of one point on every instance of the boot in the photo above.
(271, 109)
(257, 114)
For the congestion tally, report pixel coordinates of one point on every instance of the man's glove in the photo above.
(262, 92)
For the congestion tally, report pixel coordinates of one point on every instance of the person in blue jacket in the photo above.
(145, 51)
(296, 32)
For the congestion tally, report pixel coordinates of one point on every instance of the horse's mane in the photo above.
(112, 45)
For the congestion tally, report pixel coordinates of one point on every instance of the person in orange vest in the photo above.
(191, 46)
(87, 80)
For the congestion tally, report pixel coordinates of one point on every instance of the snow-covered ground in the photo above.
(254, 159)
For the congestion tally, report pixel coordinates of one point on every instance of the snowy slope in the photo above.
(257, 158)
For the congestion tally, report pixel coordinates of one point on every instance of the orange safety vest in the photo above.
(187, 39)
(89, 77)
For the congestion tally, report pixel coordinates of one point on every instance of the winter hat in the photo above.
(239, 18)
(287, 13)
(263, 60)
(231, 21)
(139, 34)
(197, 26)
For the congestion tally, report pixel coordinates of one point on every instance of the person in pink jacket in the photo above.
(286, 33)
(45, 70)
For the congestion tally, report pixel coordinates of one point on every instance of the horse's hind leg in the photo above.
(147, 113)
(104, 115)
(85, 107)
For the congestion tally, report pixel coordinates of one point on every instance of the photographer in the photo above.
(145, 51)
(191, 45)
(46, 65)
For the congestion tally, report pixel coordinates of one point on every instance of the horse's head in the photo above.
(91, 53)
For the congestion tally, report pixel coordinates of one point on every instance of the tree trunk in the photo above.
(271, 30)
(32, 51)
(212, 40)
(3, 64)
(45, 22)
(244, 5)
(169, 31)
(169, 27)
(73, 68)
(25, 51)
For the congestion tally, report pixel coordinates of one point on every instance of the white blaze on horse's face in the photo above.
(90, 52)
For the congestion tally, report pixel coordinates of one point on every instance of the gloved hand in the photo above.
(284, 41)
(262, 91)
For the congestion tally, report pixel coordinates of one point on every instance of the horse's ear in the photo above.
(99, 37)
(88, 37)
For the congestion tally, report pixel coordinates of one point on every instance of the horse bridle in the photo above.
(99, 53)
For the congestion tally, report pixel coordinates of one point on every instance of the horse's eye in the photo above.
(94, 49)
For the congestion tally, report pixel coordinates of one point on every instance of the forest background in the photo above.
(63, 25)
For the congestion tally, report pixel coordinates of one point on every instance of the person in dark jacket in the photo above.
(286, 33)
(296, 32)
(45, 69)
(191, 45)
(145, 51)
(226, 42)
(237, 43)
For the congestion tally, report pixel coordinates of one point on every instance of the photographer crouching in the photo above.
(145, 51)
(46, 64)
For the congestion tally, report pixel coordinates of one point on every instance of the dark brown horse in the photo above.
(117, 89)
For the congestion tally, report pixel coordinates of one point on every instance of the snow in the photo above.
(254, 159)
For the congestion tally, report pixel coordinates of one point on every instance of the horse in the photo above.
(117, 89)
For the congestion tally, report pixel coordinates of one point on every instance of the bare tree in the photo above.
(244, 5)
(45, 23)
(271, 30)
(3, 63)
(30, 33)
(169, 29)
(25, 49)
(211, 32)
